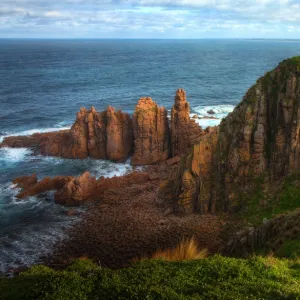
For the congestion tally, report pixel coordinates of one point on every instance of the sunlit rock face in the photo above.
(184, 131)
(259, 139)
(115, 136)
(151, 133)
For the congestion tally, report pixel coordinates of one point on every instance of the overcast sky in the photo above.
(150, 18)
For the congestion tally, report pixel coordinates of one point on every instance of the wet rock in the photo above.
(25, 182)
(74, 191)
(71, 212)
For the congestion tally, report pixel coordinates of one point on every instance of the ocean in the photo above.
(45, 82)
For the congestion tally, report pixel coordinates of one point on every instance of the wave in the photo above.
(221, 111)
(29, 228)
(58, 127)
(14, 155)
(208, 122)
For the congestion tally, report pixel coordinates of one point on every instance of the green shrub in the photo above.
(212, 278)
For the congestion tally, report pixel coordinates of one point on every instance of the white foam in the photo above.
(208, 122)
(13, 155)
(205, 120)
(109, 169)
(33, 131)
(221, 111)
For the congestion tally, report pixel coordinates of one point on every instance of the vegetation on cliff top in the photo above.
(293, 61)
(212, 278)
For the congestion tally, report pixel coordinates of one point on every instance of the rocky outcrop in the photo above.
(258, 140)
(99, 135)
(270, 235)
(74, 191)
(39, 187)
(109, 134)
(151, 133)
(113, 135)
(184, 131)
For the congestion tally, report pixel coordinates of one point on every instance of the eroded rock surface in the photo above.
(100, 135)
(74, 191)
(184, 131)
(151, 133)
(259, 140)
(113, 135)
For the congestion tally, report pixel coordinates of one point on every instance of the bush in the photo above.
(211, 278)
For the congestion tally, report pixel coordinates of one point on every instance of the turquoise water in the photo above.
(45, 82)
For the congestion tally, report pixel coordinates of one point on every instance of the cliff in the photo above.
(259, 140)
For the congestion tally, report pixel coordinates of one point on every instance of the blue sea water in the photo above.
(45, 82)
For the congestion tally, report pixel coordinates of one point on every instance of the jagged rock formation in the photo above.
(73, 191)
(114, 135)
(184, 131)
(260, 138)
(100, 135)
(151, 133)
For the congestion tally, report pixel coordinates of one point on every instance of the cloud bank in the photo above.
(150, 19)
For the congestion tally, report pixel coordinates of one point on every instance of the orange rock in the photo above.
(76, 190)
(25, 182)
(184, 131)
(173, 160)
(72, 191)
(103, 135)
(119, 135)
(46, 184)
(258, 142)
(151, 133)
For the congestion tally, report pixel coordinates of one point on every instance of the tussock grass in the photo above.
(187, 249)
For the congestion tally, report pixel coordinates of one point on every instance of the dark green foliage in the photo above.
(285, 200)
(213, 278)
(293, 61)
(289, 248)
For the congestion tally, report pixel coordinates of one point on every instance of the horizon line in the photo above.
(117, 38)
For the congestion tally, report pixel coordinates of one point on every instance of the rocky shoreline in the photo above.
(193, 180)
(131, 222)
(146, 137)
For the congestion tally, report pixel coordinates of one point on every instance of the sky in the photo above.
(182, 19)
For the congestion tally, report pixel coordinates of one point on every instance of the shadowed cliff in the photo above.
(259, 140)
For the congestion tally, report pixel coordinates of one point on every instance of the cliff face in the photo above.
(184, 131)
(151, 133)
(259, 139)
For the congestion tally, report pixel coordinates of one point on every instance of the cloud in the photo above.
(150, 18)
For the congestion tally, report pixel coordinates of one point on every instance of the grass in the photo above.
(285, 200)
(289, 248)
(185, 250)
(210, 278)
